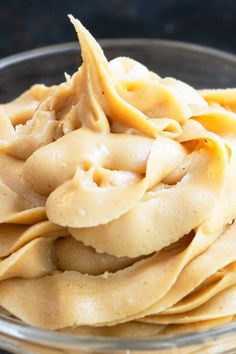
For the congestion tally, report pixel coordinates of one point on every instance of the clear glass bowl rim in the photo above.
(15, 329)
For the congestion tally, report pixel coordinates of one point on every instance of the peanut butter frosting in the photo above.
(118, 201)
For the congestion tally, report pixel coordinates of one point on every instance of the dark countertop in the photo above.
(29, 24)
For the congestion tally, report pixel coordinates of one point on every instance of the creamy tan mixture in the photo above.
(117, 201)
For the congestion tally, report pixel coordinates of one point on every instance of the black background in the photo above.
(27, 24)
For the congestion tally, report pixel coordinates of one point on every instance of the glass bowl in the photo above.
(199, 66)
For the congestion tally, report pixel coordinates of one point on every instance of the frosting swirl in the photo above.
(117, 201)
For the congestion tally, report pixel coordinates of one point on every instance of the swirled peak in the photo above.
(118, 201)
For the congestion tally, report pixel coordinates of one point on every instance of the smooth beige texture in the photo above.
(74, 255)
(118, 201)
(224, 97)
(12, 237)
(23, 107)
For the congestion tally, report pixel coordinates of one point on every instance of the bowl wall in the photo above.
(200, 67)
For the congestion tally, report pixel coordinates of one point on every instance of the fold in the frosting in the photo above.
(118, 201)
